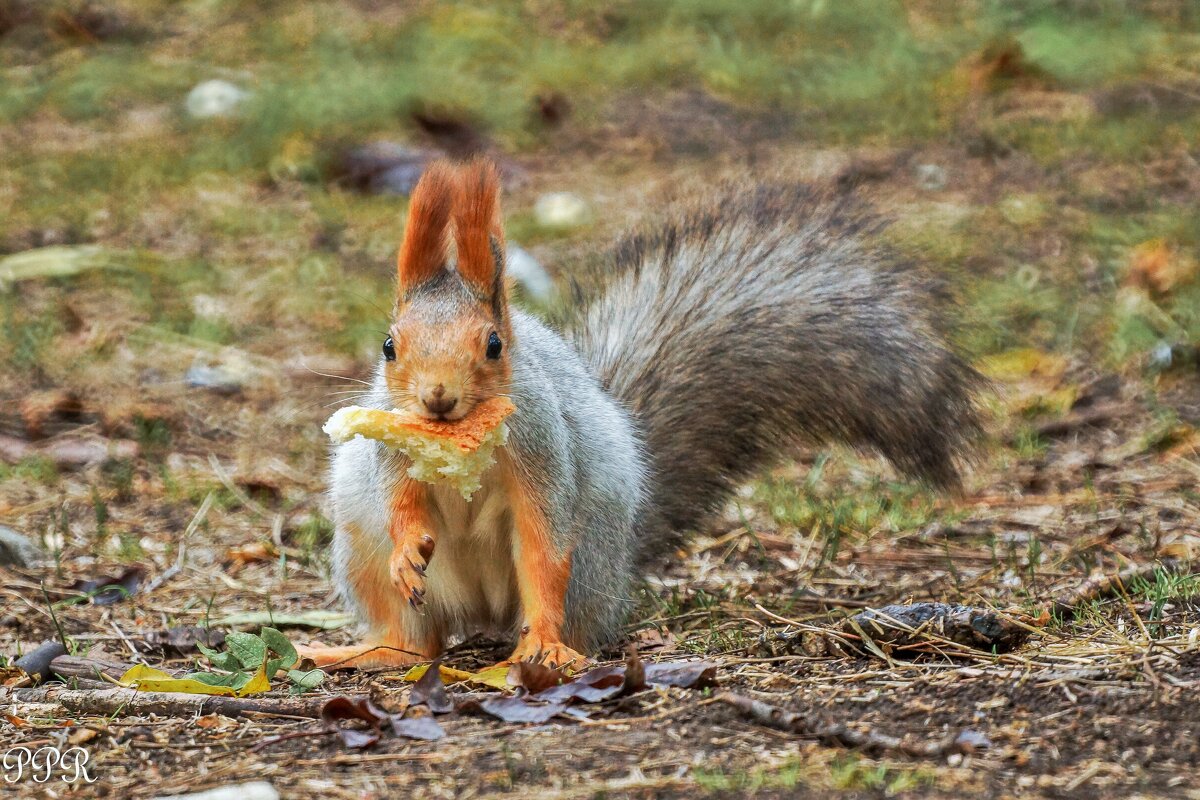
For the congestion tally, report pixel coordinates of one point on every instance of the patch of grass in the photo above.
(119, 474)
(313, 535)
(38, 469)
(1164, 587)
(129, 549)
(788, 774)
(26, 334)
(854, 773)
(836, 512)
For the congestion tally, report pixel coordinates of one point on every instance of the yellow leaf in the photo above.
(148, 679)
(1154, 264)
(495, 677)
(258, 684)
(1023, 363)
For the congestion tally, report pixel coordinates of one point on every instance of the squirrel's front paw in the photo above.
(407, 567)
(553, 654)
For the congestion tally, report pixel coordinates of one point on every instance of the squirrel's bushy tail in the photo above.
(764, 317)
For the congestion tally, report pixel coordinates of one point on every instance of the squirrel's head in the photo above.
(449, 344)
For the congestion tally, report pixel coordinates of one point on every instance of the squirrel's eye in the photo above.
(389, 349)
(494, 346)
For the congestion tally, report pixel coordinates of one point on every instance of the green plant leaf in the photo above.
(303, 680)
(225, 661)
(249, 649)
(234, 680)
(282, 647)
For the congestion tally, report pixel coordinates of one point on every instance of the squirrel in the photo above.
(745, 323)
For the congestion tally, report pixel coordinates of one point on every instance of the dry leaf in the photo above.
(252, 553)
(533, 678)
(340, 709)
(1155, 266)
(430, 691)
(148, 679)
(520, 709)
(496, 677)
(422, 727)
(683, 674)
(106, 591)
(82, 736)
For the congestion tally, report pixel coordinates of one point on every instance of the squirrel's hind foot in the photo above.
(555, 655)
(367, 654)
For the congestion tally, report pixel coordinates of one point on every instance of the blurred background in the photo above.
(200, 201)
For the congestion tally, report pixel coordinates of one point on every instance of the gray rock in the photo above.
(526, 270)
(215, 98)
(931, 177)
(17, 550)
(228, 375)
(560, 210)
(383, 168)
(255, 790)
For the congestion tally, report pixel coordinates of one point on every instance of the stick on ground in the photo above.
(130, 702)
(838, 734)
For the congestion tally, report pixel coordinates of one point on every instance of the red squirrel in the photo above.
(744, 323)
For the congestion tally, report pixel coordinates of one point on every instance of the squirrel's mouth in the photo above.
(457, 412)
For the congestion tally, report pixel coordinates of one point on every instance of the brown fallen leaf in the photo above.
(344, 709)
(520, 709)
(182, 639)
(40, 408)
(924, 625)
(682, 674)
(653, 640)
(105, 591)
(431, 692)
(533, 678)
(423, 727)
(591, 687)
(82, 736)
(1156, 266)
(252, 553)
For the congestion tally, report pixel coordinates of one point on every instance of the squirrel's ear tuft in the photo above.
(478, 235)
(423, 253)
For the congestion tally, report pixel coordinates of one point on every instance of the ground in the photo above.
(1041, 158)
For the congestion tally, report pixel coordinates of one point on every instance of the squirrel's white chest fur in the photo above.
(470, 582)
(470, 578)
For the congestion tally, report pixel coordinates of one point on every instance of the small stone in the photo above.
(17, 550)
(13, 449)
(208, 307)
(83, 453)
(229, 377)
(383, 168)
(1161, 356)
(255, 790)
(931, 177)
(560, 210)
(526, 270)
(215, 98)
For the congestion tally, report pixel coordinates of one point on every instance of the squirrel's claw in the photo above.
(408, 567)
(553, 654)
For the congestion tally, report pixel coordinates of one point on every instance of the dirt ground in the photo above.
(1098, 702)
(1072, 261)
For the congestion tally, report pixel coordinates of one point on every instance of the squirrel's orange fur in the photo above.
(478, 234)
(423, 253)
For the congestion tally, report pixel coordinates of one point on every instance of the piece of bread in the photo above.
(452, 452)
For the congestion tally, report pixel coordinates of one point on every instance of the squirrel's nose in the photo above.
(437, 401)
